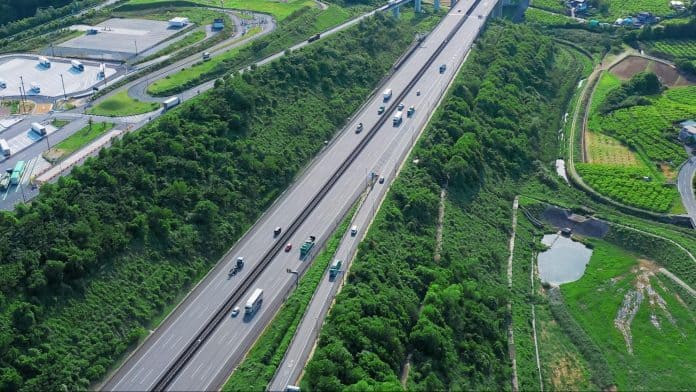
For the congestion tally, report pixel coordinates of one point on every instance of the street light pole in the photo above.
(62, 82)
(22, 98)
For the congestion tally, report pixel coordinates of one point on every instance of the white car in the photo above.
(235, 311)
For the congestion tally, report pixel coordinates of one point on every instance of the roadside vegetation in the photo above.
(546, 18)
(444, 321)
(120, 104)
(98, 257)
(262, 360)
(77, 140)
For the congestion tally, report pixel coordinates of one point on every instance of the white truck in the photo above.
(77, 65)
(170, 102)
(253, 303)
(5, 148)
(387, 94)
(398, 117)
(44, 62)
(38, 128)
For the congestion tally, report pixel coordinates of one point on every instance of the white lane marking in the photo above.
(197, 369)
(137, 374)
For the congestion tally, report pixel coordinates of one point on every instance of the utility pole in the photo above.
(135, 42)
(62, 82)
(22, 97)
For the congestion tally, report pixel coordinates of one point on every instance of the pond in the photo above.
(564, 261)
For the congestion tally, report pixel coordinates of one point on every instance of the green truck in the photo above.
(335, 268)
(307, 246)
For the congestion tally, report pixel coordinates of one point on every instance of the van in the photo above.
(354, 230)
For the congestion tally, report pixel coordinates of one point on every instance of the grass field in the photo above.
(122, 105)
(655, 347)
(542, 17)
(624, 8)
(550, 5)
(189, 40)
(79, 139)
(187, 74)
(605, 149)
(280, 10)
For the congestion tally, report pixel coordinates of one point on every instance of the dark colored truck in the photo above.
(237, 267)
(314, 38)
(307, 246)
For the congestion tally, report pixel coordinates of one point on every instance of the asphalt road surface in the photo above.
(221, 352)
(686, 188)
(298, 352)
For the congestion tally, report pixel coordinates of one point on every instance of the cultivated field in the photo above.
(632, 65)
(605, 149)
(644, 328)
(685, 48)
(632, 152)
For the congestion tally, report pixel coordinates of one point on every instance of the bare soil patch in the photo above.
(42, 108)
(668, 74)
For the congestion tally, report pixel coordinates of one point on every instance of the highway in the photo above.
(685, 183)
(297, 354)
(221, 352)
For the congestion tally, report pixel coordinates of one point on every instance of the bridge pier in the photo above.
(436, 5)
(396, 11)
(418, 7)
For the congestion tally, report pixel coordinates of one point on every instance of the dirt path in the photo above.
(511, 337)
(440, 220)
(678, 281)
(534, 331)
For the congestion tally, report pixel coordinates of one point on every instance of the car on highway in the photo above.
(380, 110)
(288, 247)
(354, 230)
(381, 180)
(411, 110)
(443, 67)
(235, 311)
(359, 128)
(400, 106)
(276, 231)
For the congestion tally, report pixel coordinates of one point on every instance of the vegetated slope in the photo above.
(644, 329)
(501, 115)
(96, 258)
(644, 123)
(296, 27)
(11, 10)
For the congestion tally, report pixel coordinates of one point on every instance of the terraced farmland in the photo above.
(683, 48)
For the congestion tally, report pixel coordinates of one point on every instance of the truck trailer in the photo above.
(170, 102)
(307, 246)
(38, 128)
(254, 302)
(5, 148)
(44, 62)
(398, 117)
(387, 94)
(77, 65)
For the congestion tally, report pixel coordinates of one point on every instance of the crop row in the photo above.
(546, 18)
(685, 48)
(629, 185)
(550, 5)
(624, 8)
(650, 128)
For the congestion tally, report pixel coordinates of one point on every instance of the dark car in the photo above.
(381, 180)
(276, 231)
(288, 247)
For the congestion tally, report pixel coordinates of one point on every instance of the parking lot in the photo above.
(116, 39)
(14, 69)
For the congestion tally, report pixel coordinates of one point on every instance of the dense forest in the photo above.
(11, 10)
(410, 318)
(96, 257)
